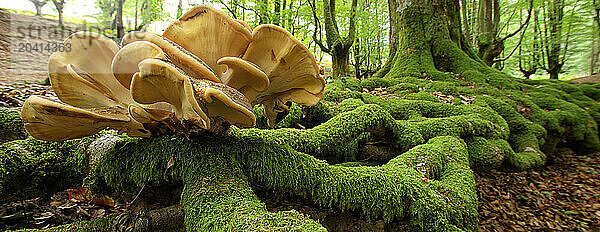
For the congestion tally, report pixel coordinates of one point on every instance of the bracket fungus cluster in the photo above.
(205, 72)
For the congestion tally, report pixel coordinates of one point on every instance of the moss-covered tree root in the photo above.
(430, 187)
(11, 125)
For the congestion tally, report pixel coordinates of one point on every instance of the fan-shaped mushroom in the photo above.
(209, 34)
(159, 81)
(292, 70)
(226, 102)
(182, 58)
(243, 75)
(193, 100)
(81, 83)
(125, 63)
(53, 121)
(204, 74)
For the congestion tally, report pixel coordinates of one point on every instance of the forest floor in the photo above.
(563, 196)
(26, 43)
(592, 78)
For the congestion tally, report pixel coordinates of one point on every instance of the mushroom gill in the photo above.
(204, 73)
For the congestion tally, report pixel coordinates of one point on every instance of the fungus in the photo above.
(178, 55)
(125, 63)
(291, 68)
(54, 121)
(209, 34)
(242, 75)
(204, 73)
(159, 81)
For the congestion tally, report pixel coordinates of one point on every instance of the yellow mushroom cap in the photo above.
(179, 56)
(159, 81)
(291, 68)
(125, 63)
(93, 84)
(224, 101)
(242, 75)
(53, 121)
(209, 34)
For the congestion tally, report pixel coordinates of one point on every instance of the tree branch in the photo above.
(523, 25)
(318, 28)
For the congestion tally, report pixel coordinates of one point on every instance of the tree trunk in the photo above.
(277, 9)
(340, 61)
(488, 42)
(59, 7)
(555, 18)
(393, 32)
(465, 20)
(119, 19)
(392, 37)
(597, 15)
(179, 8)
(428, 47)
(38, 6)
(339, 46)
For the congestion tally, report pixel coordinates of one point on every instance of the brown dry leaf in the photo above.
(79, 194)
(103, 201)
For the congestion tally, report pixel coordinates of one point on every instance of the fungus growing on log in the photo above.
(205, 72)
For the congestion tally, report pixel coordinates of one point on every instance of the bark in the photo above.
(38, 6)
(277, 12)
(427, 47)
(392, 37)
(60, 7)
(489, 42)
(465, 20)
(597, 15)
(554, 44)
(119, 19)
(337, 46)
(393, 32)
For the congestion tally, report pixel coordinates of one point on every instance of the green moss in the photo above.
(11, 125)
(487, 154)
(412, 88)
(349, 105)
(338, 96)
(373, 83)
(27, 166)
(421, 96)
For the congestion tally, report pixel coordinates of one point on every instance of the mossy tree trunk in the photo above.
(428, 47)
(336, 45)
(552, 39)
(487, 27)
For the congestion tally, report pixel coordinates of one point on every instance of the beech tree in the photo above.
(336, 45)
(38, 6)
(59, 7)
